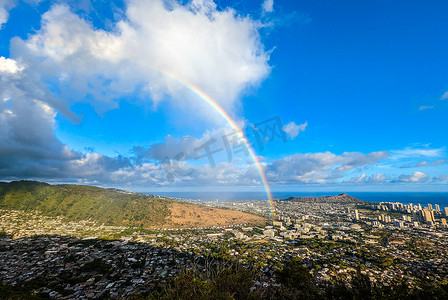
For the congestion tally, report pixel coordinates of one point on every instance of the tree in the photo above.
(296, 282)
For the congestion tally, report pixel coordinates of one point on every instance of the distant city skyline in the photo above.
(146, 95)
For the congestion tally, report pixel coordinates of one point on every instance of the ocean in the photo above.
(404, 197)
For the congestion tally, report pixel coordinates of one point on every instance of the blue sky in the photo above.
(96, 92)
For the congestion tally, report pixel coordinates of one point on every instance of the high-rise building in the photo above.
(437, 208)
(443, 220)
(356, 215)
(429, 206)
(428, 215)
(445, 210)
(419, 207)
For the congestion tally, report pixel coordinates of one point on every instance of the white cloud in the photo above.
(157, 50)
(433, 163)
(325, 167)
(415, 177)
(3, 16)
(425, 107)
(363, 178)
(9, 66)
(268, 6)
(5, 7)
(293, 130)
(377, 178)
(171, 148)
(189, 147)
(28, 147)
(444, 96)
(358, 179)
(442, 178)
(417, 152)
(218, 51)
(422, 164)
(19, 83)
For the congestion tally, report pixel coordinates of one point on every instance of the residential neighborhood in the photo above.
(334, 241)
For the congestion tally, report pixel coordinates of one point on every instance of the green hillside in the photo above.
(78, 202)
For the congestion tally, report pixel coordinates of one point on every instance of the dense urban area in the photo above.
(341, 245)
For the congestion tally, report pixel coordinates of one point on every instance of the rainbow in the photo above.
(240, 134)
(212, 103)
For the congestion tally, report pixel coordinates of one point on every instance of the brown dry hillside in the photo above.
(188, 215)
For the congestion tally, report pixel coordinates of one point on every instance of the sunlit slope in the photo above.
(109, 206)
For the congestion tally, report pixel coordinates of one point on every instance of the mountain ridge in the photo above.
(112, 206)
(337, 198)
